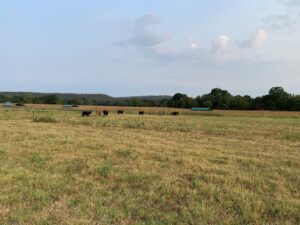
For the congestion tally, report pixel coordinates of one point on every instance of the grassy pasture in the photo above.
(224, 167)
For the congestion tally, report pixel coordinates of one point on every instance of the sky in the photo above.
(143, 47)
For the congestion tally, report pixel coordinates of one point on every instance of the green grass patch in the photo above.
(124, 153)
(44, 119)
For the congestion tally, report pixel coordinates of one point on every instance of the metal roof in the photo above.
(8, 104)
(201, 109)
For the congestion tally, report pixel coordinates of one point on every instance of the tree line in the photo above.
(276, 99)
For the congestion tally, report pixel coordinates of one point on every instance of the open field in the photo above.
(221, 167)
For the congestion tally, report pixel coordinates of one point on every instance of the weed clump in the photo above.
(103, 170)
(75, 166)
(124, 153)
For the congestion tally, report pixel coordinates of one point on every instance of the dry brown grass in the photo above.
(222, 168)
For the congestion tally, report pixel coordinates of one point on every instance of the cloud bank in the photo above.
(159, 45)
(145, 39)
(219, 46)
(257, 39)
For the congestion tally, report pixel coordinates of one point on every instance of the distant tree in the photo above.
(163, 103)
(4, 98)
(207, 104)
(205, 100)
(240, 102)
(85, 101)
(181, 101)
(73, 101)
(279, 98)
(51, 99)
(220, 98)
(28, 99)
(294, 103)
(136, 102)
(150, 103)
(18, 99)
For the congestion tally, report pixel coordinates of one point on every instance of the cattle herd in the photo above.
(119, 112)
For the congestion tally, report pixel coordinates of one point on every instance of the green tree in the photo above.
(279, 98)
(207, 104)
(181, 101)
(240, 102)
(294, 103)
(52, 99)
(221, 98)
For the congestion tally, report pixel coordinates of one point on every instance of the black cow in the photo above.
(141, 112)
(105, 113)
(174, 113)
(120, 112)
(86, 113)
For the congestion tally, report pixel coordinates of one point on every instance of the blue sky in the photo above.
(142, 47)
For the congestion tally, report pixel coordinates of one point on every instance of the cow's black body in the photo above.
(86, 113)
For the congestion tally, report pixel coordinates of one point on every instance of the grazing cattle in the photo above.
(141, 112)
(174, 113)
(105, 113)
(86, 113)
(120, 112)
(98, 113)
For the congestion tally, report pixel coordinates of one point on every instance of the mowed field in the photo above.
(221, 167)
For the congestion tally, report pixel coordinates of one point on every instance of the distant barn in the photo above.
(201, 109)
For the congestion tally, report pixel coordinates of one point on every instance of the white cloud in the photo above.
(272, 24)
(162, 49)
(278, 22)
(158, 46)
(260, 37)
(291, 2)
(192, 43)
(257, 39)
(219, 46)
(223, 40)
(145, 39)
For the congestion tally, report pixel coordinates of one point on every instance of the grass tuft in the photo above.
(75, 166)
(103, 170)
